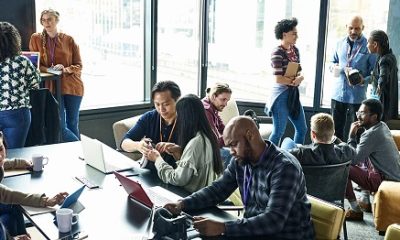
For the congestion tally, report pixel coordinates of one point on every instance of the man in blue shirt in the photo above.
(156, 126)
(270, 181)
(351, 53)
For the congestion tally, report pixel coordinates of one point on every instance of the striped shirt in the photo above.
(277, 206)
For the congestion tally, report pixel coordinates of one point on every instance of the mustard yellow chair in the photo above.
(393, 232)
(396, 137)
(386, 207)
(327, 218)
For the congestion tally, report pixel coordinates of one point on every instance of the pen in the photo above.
(132, 175)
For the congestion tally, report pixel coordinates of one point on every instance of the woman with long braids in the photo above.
(384, 76)
(198, 159)
(60, 52)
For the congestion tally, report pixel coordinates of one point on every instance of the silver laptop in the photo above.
(104, 158)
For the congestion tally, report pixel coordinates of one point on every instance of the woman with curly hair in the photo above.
(17, 76)
(60, 53)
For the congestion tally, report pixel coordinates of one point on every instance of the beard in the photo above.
(248, 155)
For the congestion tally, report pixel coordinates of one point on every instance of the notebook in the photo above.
(103, 158)
(34, 57)
(150, 197)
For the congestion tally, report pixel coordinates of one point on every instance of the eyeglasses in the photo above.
(47, 20)
(362, 113)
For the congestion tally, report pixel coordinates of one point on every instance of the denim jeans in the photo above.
(343, 114)
(280, 115)
(288, 144)
(12, 219)
(15, 126)
(70, 105)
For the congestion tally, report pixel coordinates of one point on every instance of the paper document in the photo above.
(16, 172)
(54, 71)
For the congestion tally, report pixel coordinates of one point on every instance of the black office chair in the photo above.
(328, 182)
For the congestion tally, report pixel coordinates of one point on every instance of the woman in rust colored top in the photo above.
(59, 52)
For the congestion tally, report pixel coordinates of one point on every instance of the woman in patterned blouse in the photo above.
(17, 76)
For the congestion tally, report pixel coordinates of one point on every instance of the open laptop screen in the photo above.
(34, 57)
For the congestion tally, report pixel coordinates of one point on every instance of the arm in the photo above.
(213, 124)
(365, 146)
(285, 185)
(16, 164)
(384, 74)
(134, 138)
(76, 66)
(9, 196)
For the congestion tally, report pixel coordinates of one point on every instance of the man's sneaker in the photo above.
(366, 207)
(352, 215)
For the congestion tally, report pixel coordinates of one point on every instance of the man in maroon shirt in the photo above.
(216, 100)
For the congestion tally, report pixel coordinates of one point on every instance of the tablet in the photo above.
(72, 198)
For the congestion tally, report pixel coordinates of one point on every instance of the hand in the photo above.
(174, 208)
(170, 148)
(296, 82)
(58, 67)
(208, 227)
(23, 237)
(26, 164)
(57, 199)
(144, 145)
(152, 155)
(354, 128)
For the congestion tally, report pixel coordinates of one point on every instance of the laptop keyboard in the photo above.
(156, 198)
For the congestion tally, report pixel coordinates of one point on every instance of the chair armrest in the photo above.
(121, 127)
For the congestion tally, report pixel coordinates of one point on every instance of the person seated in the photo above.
(325, 149)
(271, 184)
(11, 214)
(374, 146)
(216, 100)
(158, 125)
(197, 152)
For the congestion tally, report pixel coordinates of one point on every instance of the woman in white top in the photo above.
(198, 159)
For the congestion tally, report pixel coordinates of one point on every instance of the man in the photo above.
(351, 53)
(377, 148)
(325, 149)
(156, 126)
(271, 183)
(216, 100)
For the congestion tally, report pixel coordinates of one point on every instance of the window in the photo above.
(110, 36)
(375, 16)
(178, 43)
(241, 39)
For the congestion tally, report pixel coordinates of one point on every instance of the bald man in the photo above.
(270, 181)
(351, 53)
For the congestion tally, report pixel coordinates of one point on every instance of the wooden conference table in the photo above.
(108, 213)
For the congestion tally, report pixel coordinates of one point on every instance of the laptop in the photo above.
(104, 158)
(34, 57)
(72, 198)
(150, 197)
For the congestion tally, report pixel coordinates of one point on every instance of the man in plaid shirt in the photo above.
(271, 183)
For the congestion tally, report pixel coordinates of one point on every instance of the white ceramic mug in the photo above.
(65, 221)
(38, 161)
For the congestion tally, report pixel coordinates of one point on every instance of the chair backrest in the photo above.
(393, 232)
(230, 111)
(327, 218)
(327, 182)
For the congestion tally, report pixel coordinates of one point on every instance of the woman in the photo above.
(60, 53)
(384, 76)
(284, 101)
(199, 163)
(17, 77)
(10, 214)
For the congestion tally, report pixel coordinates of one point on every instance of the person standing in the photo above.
(351, 53)
(60, 52)
(284, 102)
(384, 76)
(17, 76)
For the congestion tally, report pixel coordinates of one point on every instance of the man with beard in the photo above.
(351, 53)
(377, 148)
(271, 183)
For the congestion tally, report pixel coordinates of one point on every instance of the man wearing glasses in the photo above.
(376, 147)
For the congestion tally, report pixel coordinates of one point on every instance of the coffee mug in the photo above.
(336, 71)
(65, 221)
(38, 161)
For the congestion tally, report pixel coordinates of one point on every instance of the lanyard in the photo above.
(52, 48)
(248, 179)
(170, 134)
(352, 54)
